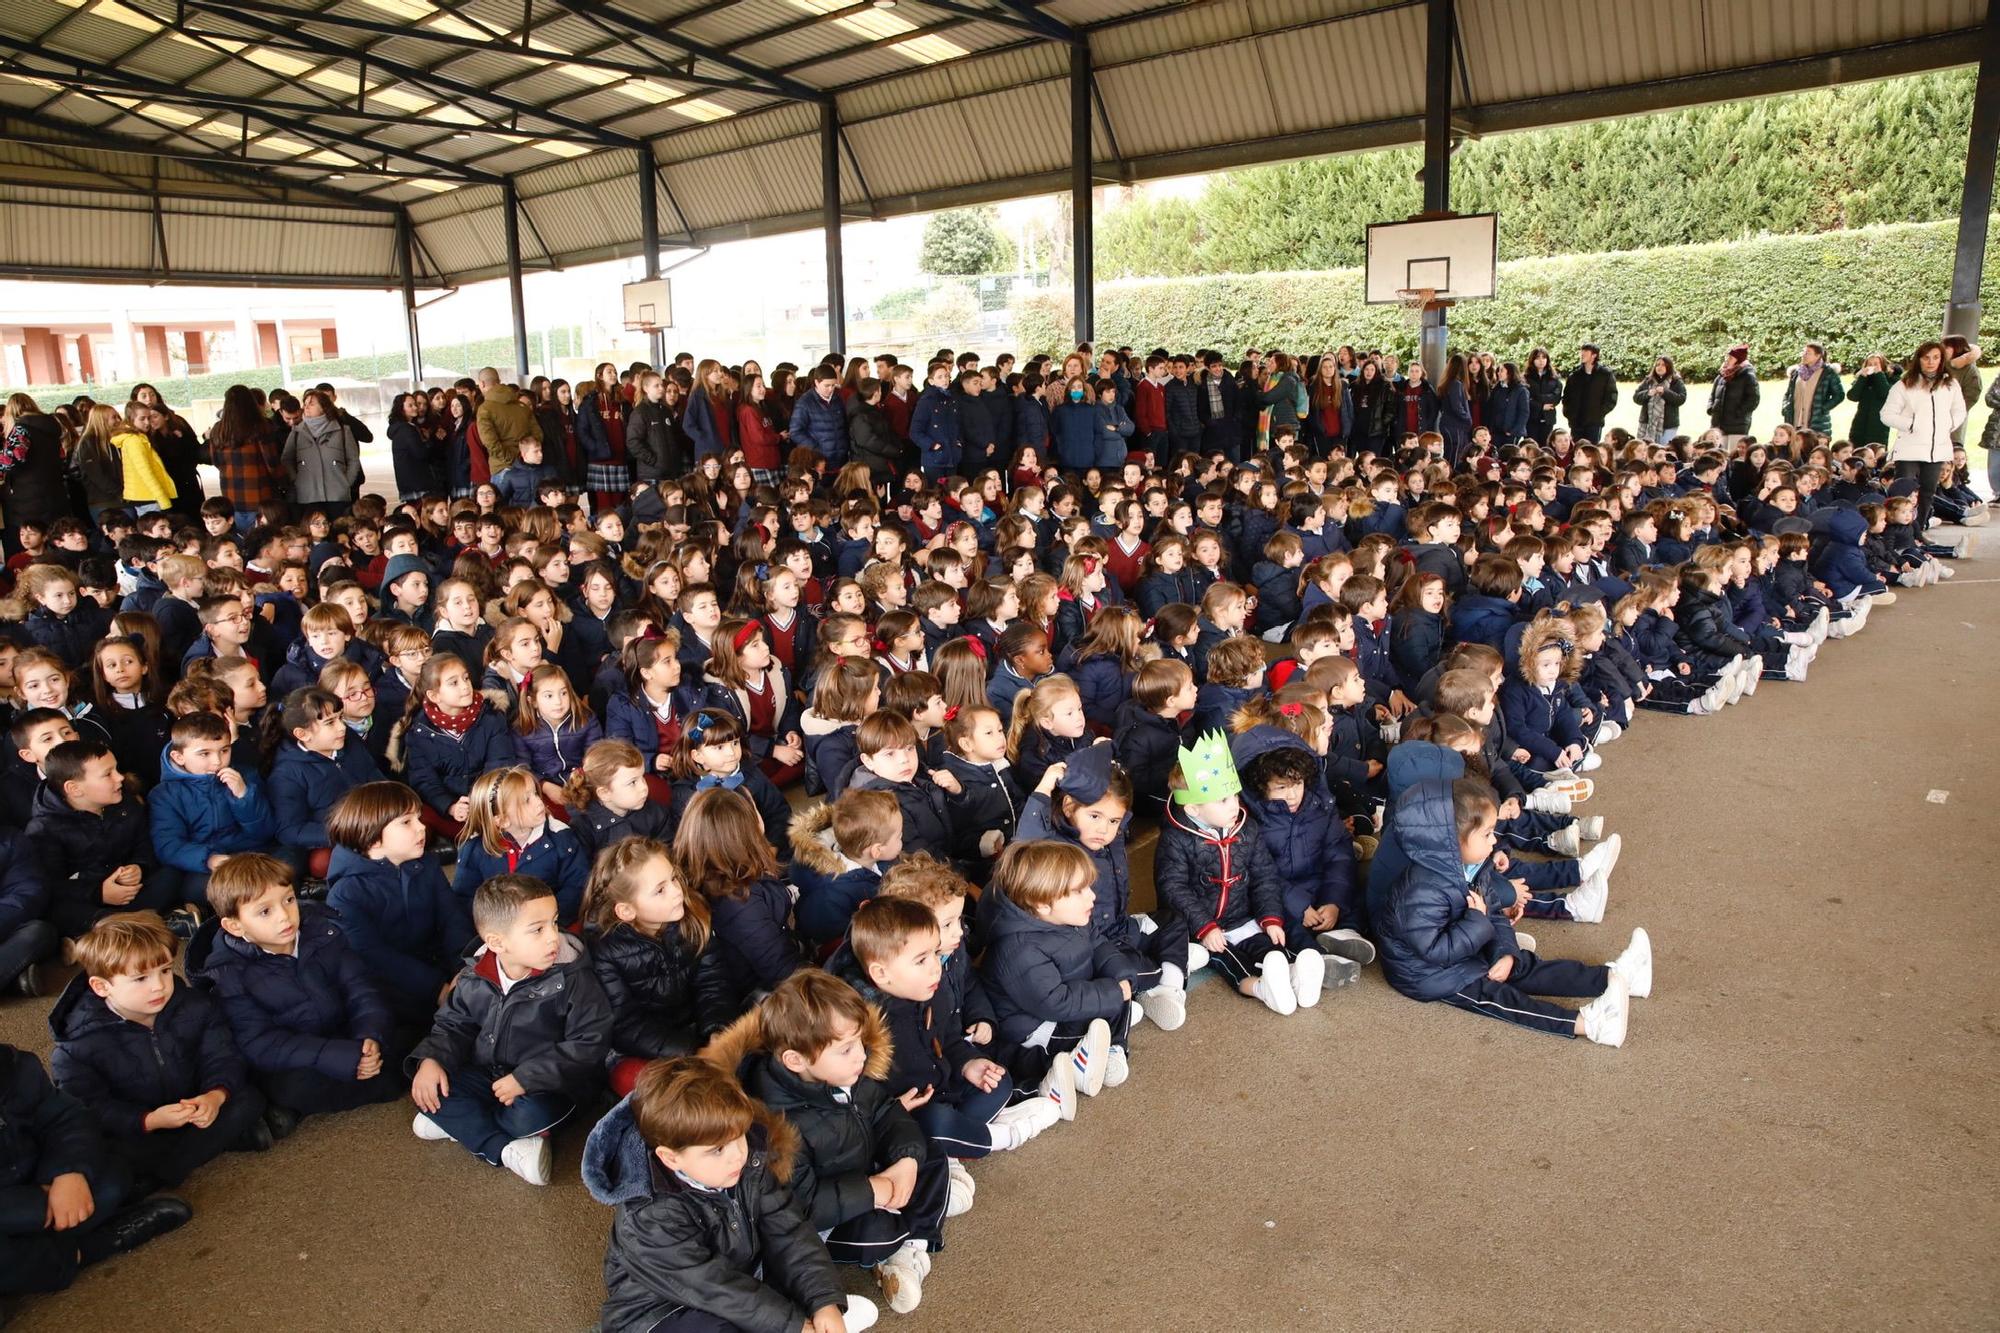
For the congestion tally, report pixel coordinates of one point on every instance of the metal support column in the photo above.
(1962, 315)
(406, 262)
(836, 277)
(1437, 162)
(649, 240)
(1081, 179)
(516, 301)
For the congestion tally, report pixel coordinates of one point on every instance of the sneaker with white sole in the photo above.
(1587, 900)
(1796, 663)
(1090, 1057)
(1342, 942)
(531, 1158)
(1590, 828)
(1798, 638)
(427, 1129)
(1753, 671)
(902, 1279)
(861, 1314)
(1165, 1005)
(1600, 859)
(1883, 599)
(1524, 941)
(958, 1187)
(1563, 842)
(1308, 977)
(1548, 800)
(1022, 1121)
(1059, 1088)
(1274, 984)
(1590, 763)
(1197, 959)
(1607, 733)
(1944, 571)
(1117, 1067)
(1604, 1017)
(1635, 965)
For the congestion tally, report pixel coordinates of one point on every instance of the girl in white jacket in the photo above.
(1925, 408)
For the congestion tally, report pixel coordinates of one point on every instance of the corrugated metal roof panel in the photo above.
(215, 241)
(739, 22)
(781, 121)
(586, 217)
(715, 191)
(1077, 12)
(1224, 81)
(892, 150)
(788, 170)
(963, 78)
(1181, 30)
(70, 236)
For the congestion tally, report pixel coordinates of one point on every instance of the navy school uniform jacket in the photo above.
(400, 922)
(928, 1046)
(727, 698)
(1277, 596)
(597, 826)
(665, 999)
(304, 785)
(303, 665)
(1410, 763)
(551, 753)
(24, 896)
(1542, 722)
(1837, 557)
(830, 885)
(78, 850)
(1480, 618)
(989, 800)
(1654, 641)
(180, 626)
(772, 807)
(1215, 704)
(44, 1133)
(1443, 561)
(747, 1255)
(754, 946)
(1310, 847)
(123, 1071)
(1116, 934)
(442, 767)
(925, 826)
(1705, 631)
(307, 1010)
(1354, 743)
(1037, 972)
(1160, 589)
(831, 755)
(1371, 655)
(194, 817)
(69, 637)
(1003, 687)
(1416, 643)
(138, 736)
(842, 1142)
(1102, 682)
(1432, 943)
(630, 716)
(556, 858)
(467, 648)
(550, 1031)
(1216, 878)
(1039, 750)
(1148, 747)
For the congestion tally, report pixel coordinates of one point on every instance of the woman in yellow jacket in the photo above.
(147, 484)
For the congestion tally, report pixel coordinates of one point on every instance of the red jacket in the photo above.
(762, 449)
(899, 410)
(1149, 406)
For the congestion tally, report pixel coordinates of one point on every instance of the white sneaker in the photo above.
(1941, 570)
(1059, 1088)
(958, 1187)
(1117, 1067)
(1590, 828)
(1563, 842)
(1883, 599)
(1635, 965)
(861, 1314)
(427, 1129)
(1753, 671)
(1607, 733)
(1587, 900)
(1165, 1005)
(1091, 1056)
(1604, 1017)
(1710, 703)
(1197, 959)
(902, 1280)
(1352, 945)
(1308, 976)
(1798, 638)
(1274, 986)
(1601, 858)
(1022, 1121)
(1524, 941)
(1548, 800)
(531, 1159)
(1796, 663)
(1392, 731)
(1135, 1014)
(1579, 789)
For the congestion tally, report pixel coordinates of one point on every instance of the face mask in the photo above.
(1076, 395)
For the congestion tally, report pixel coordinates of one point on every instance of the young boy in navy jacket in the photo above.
(308, 1018)
(394, 904)
(886, 746)
(839, 852)
(321, 762)
(94, 845)
(1310, 847)
(62, 1193)
(1148, 732)
(521, 1038)
(150, 1059)
(204, 810)
(1441, 941)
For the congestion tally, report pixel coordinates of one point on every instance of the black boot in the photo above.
(132, 1227)
(280, 1122)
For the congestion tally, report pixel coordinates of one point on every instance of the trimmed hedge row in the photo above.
(1875, 289)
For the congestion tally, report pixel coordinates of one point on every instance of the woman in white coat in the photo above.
(1925, 408)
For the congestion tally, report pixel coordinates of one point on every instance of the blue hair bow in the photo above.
(730, 783)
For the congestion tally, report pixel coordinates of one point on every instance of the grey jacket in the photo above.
(323, 460)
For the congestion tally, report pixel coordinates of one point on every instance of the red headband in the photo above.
(1090, 564)
(978, 648)
(745, 634)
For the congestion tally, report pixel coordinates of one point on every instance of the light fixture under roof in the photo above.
(885, 4)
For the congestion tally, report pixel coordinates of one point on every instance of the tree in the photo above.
(963, 242)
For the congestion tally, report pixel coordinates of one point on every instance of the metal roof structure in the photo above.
(377, 142)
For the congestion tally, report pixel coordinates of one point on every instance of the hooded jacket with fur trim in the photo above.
(830, 885)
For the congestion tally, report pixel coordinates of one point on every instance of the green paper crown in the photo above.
(1208, 770)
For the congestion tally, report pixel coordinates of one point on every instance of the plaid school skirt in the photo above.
(613, 477)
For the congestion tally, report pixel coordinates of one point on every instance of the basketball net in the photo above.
(1416, 302)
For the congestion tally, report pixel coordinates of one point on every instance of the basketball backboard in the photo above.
(1456, 255)
(648, 304)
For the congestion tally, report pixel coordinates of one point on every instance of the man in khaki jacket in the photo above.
(503, 421)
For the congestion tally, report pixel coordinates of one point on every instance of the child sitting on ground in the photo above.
(95, 847)
(315, 1031)
(684, 1151)
(150, 1059)
(608, 799)
(1148, 733)
(720, 847)
(205, 811)
(886, 746)
(839, 853)
(1441, 941)
(394, 904)
(453, 735)
(1310, 847)
(520, 1039)
(710, 753)
(815, 1052)
(1222, 883)
(509, 831)
(984, 812)
(319, 763)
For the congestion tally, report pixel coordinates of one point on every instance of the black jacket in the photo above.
(928, 1047)
(551, 1031)
(1148, 747)
(1216, 879)
(1731, 404)
(34, 461)
(746, 1255)
(1037, 971)
(650, 442)
(123, 1071)
(874, 441)
(989, 799)
(307, 1010)
(43, 1133)
(597, 827)
(78, 851)
(1589, 396)
(663, 999)
(925, 827)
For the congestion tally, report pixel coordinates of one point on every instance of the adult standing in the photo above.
(757, 432)
(1331, 419)
(1283, 395)
(1375, 404)
(818, 422)
(1925, 408)
(1216, 403)
(245, 445)
(1588, 396)
(1812, 390)
(178, 447)
(1454, 410)
(31, 467)
(1545, 391)
(1733, 398)
(409, 448)
(503, 421)
(1659, 397)
(600, 428)
(1868, 392)
(1962, 360)
(710, 416)
(1507, 405)
(322, 456)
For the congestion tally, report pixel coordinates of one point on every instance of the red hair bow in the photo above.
(951, 712)
(1292, 709)
(978, 648)
(1090, 564)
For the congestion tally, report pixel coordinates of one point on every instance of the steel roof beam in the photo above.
(1020, 14)
(773, 81)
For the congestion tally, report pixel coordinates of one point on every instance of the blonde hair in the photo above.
(614, 878)
(1033, 706)
(494, 794)
(1035, 874)
(125, 944)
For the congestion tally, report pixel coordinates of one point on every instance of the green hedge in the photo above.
(1868, 290)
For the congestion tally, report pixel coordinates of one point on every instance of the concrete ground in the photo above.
(1798, 1132)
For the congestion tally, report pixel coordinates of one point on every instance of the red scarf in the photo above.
(455, 725)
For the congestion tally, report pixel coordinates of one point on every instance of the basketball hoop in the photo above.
(1419, 301)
